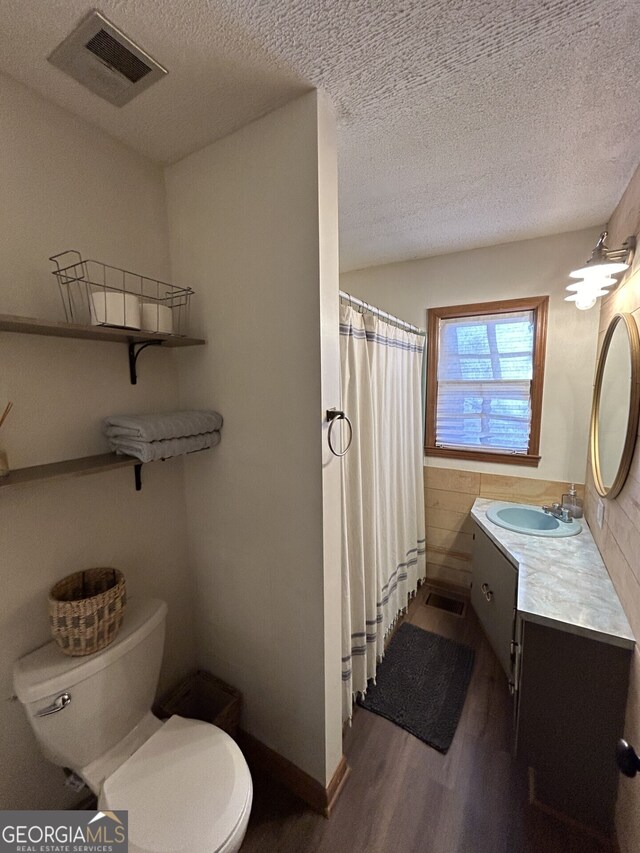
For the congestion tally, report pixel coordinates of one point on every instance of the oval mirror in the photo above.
(616, 405)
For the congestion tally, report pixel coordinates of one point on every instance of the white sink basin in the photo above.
(531, 520)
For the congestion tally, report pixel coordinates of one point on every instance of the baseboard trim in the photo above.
(335, 786)
(262, 759)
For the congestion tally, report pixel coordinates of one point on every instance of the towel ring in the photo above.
(334, 415)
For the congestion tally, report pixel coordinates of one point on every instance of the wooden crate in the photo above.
(202, 696)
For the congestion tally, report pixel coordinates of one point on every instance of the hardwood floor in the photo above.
(404, 797)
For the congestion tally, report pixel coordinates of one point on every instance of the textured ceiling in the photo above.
(462, 123)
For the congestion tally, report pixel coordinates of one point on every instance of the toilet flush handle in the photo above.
(58, 704)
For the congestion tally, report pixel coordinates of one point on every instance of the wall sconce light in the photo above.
(597, 274)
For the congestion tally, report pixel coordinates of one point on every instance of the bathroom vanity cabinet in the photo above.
(493, 596)
(570, 700)
(560, 634)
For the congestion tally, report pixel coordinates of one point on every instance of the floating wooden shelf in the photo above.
(31, 326)
(104, 461)
(134, 339)
(67, 469)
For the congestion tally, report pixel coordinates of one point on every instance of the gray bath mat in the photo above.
(421, 685)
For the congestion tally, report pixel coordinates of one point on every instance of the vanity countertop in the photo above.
(562, 582)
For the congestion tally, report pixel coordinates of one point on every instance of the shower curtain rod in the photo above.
(395, 321)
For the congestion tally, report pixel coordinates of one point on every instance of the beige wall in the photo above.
(619, 537)
(511, 270)
(254, 228)
(66, 185)
(253, 223)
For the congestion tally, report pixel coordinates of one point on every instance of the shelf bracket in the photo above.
(137, 472)
(134, 351)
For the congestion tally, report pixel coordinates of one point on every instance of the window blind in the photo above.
(485, 368)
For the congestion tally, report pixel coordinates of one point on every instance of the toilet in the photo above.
(185, 783)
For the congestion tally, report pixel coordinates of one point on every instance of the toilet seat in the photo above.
(187, 790)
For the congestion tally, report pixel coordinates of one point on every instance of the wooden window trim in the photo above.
(540, 307)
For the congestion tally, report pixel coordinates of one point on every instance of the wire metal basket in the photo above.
(97, 294)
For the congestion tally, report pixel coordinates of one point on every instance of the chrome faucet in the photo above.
(559, 512)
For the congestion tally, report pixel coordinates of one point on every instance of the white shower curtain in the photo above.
(383, 542)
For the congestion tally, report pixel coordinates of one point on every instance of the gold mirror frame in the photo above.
(634, 407)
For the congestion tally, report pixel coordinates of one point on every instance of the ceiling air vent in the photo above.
(100, 56)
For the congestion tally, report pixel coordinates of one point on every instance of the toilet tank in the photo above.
(111, 690)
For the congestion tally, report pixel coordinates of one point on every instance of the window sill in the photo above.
(485, 456)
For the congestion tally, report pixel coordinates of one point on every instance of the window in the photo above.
(485, 372)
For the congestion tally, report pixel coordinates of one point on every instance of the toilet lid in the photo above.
(186, 789)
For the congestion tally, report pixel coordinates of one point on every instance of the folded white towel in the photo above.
(151, 451)
(162, 426)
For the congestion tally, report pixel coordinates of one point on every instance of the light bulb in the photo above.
(584, 301)
(585, 293)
